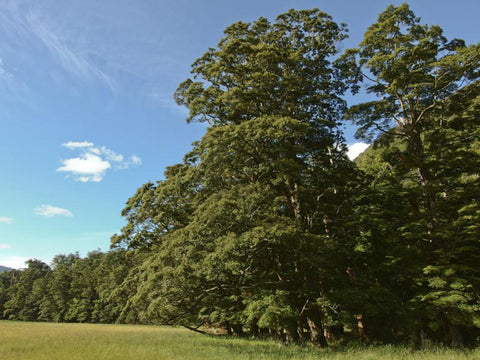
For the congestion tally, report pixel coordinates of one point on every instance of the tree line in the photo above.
(267, 229)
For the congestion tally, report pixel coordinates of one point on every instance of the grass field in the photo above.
(46, 341)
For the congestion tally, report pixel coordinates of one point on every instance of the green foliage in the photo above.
(262, 68)
(427, 110)
(24, 291)
(259, 199)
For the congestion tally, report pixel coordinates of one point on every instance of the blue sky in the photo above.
(86, 107)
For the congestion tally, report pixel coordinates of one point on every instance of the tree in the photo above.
(241, 231)
(279, 69)
(422, 82)
(84, 288)
(58, 289)
(23, 303)
(115, 287)
(7, 280)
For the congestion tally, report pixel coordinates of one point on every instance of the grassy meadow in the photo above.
(48, 341)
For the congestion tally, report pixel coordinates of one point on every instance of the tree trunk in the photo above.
(314, 322)
(294, 202)
(416, 148)
(333, 333)
(362, 336)
(237, 330)
(291, 335)
(301, 335)
(453, 334)
(229, 329)
(254, 330)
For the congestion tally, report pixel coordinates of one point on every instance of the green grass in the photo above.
(46, 341)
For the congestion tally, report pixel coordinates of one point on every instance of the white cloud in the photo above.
(87, 167)
(135, 160)
(111, 155)
(5, 246)
(14, 262)
(6, 220)
(18, 262)
(93, 161)
(77, 144)
(356, 149)
(50, 211)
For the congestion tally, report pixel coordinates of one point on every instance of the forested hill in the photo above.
(4, 268)
(267, 229)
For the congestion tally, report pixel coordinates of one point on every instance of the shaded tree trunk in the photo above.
(314, 321)
(334, 332)
(362, 335)
(453, 334)
(300, 327)
(291, 334)
(237, 330)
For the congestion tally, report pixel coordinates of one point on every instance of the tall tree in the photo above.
(243, 226)
(421, 80)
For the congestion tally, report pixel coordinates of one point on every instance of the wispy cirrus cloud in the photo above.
(36, 26)
(77, 144)
(135, 160)
(6, 220)
(72, 60)
(51, 211)
(122, 47)
(93, 161)
(3, 72)
(5, 246)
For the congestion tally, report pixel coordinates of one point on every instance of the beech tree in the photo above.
(425, 85)
(246, 243)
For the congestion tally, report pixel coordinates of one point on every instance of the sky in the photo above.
(86, 103)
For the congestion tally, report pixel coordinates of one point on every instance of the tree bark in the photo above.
(362, 336)
(314, 322)
(291, 334)
(301, 334)
(416, 148)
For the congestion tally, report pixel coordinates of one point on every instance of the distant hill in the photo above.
(4, 268)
